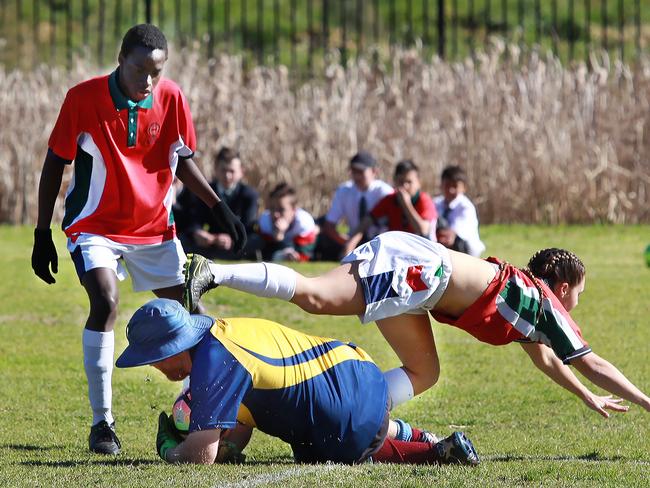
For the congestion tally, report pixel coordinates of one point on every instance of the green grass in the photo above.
(528, 431)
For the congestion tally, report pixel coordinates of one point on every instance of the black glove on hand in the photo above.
(231, 223)
(44, 255)
(167, 437)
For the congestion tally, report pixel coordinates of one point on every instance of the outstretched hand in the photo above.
(603, 403)
(231, 224)
(44, 255)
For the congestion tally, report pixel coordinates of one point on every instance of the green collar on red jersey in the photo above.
(120, 100)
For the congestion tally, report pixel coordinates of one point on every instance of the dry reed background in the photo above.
(542, 143)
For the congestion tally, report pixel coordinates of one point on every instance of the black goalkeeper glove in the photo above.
(167, 437)
(232, 225)
(44, 255)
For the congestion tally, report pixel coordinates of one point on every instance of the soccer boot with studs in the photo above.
(103, 439)
(198, 280)
(456, 449)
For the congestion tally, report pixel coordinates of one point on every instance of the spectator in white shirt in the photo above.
(457, 226)
(352, 201)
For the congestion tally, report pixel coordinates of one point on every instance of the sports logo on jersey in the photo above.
(153, 131)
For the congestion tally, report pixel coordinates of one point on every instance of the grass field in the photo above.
(528, 431)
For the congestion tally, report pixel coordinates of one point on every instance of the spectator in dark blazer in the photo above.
(202, 234)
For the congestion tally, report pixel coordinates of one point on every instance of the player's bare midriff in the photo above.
(470, 277)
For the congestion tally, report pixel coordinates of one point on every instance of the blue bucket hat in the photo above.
(160, 329)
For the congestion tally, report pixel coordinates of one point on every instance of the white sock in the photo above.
(267, 280)
(400, 388)
(98, 362)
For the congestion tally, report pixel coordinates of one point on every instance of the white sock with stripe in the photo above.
(267, 280)
(98, 350)
(400, 388)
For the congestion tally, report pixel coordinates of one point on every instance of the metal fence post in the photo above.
(637, 14)
(259, 43)
(441, 28)
(210, 28)
(68, 34)
(344, 32)
(604, 22)
(100, 33)
(621, 28)
(571, 30)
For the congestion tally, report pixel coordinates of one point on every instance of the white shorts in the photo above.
(400, 273)
(151, 266)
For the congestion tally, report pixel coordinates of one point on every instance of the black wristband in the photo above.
(42, 232)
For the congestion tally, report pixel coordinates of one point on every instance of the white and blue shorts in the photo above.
(400, 273)
(151, 266)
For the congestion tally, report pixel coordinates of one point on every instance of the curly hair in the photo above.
(555, 266)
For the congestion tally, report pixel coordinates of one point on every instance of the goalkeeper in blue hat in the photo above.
(326, 398)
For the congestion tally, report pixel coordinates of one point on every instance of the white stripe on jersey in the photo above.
(523, 326)
(529, 291)
(564, 325)
(97, 177)
(175, 149)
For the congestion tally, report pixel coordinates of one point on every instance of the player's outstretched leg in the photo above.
(337, 292)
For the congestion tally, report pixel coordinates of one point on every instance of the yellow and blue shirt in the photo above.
(324, 397)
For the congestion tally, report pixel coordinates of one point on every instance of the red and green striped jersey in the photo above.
(125, 156)
(508, 311)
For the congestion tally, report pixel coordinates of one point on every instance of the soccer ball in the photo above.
(181, 411)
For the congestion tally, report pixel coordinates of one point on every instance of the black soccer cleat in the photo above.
(198, 280)
(456, 449)
(103, 439)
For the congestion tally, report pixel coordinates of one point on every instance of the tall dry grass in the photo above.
(541, 142)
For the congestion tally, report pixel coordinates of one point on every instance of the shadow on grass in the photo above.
(27, 447)
(591, 456)
(73, 464)
(131, 462)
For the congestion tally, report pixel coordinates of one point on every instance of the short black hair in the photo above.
(405, 166)
(454, 174)
(145, 35)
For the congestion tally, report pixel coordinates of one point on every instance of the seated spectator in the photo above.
(458, 221)
(288, 232)
(352, 201)
(202, 234)
(407, 209)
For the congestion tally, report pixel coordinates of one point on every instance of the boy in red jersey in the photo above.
(408, 208)
(128, 133)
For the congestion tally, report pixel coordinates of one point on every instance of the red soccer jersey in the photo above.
(508, 311)
(389, 208)
(125, 156)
